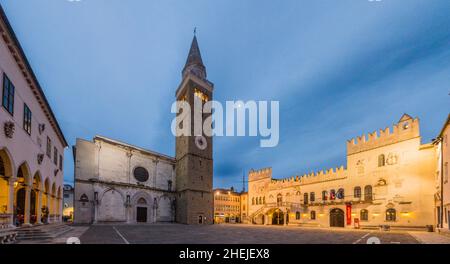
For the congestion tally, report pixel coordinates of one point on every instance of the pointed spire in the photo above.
(194, 62)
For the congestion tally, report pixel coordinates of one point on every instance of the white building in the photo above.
(31, 141)
(118, 182)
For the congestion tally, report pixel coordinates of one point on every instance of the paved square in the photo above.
(234, 234)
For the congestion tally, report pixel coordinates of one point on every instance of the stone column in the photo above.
(266, 219)
(38, 207)
(26, 221)
(49, 207)
(11, 201)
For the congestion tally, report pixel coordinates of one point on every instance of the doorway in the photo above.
(337, 218)
(278, 218)
(141, 214)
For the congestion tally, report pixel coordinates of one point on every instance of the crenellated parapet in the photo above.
(313, 177)
(406, 128)
(255, 175)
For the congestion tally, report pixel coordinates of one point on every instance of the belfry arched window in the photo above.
(391, 215)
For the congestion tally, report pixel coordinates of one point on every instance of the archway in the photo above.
(337, 218)
(21, 216)
(45, 209)
(141, 211)
(6, 200)
(110, 208)
(35, 202)
(278, 217)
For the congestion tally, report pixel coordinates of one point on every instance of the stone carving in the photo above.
(392, 159)
(40, 158)
(41, 128)
(9, 129)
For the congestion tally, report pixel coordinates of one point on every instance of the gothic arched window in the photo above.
(357, 192)
(324, 195)
(368, 196)
(305, 198)
(341, 194)
(312, 197)
(253, 201)
(279, 199)
(381, 160)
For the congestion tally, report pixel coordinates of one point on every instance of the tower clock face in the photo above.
(201, 143)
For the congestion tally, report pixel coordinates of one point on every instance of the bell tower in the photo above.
(194, 153)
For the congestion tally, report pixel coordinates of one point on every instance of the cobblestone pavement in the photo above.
(235, 234)
(431, 238)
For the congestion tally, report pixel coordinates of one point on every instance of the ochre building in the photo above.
(389, 180)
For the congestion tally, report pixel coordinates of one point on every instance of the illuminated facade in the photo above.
(227, 206)
(389, 180)
(31, 142)
(442, 184)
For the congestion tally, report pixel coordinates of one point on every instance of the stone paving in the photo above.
(235, 234)
(430, 238)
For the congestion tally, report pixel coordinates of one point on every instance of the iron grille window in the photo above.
(8, 95)
(313, 215)
(364, 215)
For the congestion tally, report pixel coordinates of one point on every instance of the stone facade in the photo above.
(108, 187)
(194, 166)
(31, 142)
(389, 180)
(118, 182)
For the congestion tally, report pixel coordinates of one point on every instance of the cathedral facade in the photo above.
(389, 180)
(118, 182)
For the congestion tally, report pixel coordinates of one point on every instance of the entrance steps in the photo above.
(42, 233)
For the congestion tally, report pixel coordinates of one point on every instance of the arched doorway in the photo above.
(21, 216)
(141, 211)
(337, 218)
(278, 217)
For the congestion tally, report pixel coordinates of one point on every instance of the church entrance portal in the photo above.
(141, 215)
(337, 218)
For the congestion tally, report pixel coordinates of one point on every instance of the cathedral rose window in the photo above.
(141, 174)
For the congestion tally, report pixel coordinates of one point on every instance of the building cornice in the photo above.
(18, 54)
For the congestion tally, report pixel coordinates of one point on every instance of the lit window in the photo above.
(201, 95)
(364, 215)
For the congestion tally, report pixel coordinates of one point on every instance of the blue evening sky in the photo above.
(339, 69)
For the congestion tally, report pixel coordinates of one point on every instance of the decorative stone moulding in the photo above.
(41, 128)
(9, 128)
(40, 158)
